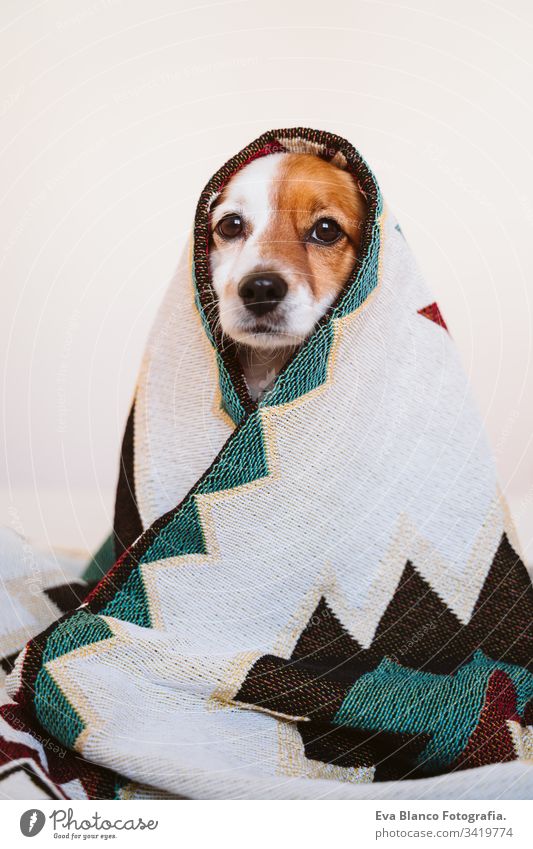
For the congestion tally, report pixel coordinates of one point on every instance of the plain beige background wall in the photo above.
(113, 115)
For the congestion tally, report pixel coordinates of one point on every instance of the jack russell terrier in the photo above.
(285, 233)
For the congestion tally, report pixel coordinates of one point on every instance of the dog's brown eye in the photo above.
(230, 226)
(326, 231)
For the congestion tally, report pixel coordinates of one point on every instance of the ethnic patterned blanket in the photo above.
(314, 593)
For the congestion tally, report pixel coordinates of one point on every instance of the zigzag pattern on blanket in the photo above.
(336, 596)
(393, 706)
(406, 688)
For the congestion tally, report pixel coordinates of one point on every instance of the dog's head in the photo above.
(284, 237)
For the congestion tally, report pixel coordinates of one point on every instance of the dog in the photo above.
(284, 237)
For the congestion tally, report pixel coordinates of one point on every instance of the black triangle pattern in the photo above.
(417, 630)
(69, 596)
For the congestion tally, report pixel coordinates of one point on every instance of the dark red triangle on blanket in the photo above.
(491, 741)
(433, 312)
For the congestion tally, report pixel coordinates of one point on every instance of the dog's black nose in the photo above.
(262, 291)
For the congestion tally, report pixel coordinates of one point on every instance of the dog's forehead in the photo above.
(288, 190)
(251, 188)
(285, 181)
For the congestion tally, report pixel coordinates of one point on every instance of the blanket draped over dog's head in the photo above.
(313, 591)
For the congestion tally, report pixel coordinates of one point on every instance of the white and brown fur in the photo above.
(279, 199)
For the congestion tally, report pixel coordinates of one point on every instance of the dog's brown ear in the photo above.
(340, 161)
(216, 199)
(212, 206)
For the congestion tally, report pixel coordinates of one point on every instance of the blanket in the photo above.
(316, 593)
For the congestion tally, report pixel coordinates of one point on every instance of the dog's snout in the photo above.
(262, 291)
